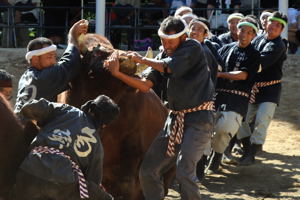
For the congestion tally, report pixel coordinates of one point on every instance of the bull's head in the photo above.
(96, 48)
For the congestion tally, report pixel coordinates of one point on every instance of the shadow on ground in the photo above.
(271, 177)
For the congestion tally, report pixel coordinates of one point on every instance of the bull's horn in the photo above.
(142, 67)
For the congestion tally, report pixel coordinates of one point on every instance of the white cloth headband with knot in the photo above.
(176, 35)
(264, 14)
(181, 9)
(209, 34)
(39, 52)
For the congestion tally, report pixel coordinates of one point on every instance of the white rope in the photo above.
(39, 52)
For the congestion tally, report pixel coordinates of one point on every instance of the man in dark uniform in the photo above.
(267, 87)
(67, 154)
(159, 79)
(212, 42)
(234, 87)
(199, 31)
(45, 78)
(231, 35)
(6, 84)
(189, 125)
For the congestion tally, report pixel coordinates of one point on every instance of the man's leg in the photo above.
(154, 165)
(193, 145)
(264, 116)
(245, 131)
(226, 127)
(28, 187)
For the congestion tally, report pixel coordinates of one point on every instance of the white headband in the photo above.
(235, 16)
(188, 15)
(264, 14)
(39, 52)
(209, 34)
(181, 9)
(176, 35)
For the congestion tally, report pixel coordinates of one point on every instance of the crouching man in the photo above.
(66, 157)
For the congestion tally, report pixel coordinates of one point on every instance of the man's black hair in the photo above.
(281, 16)
(5, 76)
(200, 19)
(38, 43)
(251, 19)
(171, 24)
(102, 109)
(205, 21)
(5, 79)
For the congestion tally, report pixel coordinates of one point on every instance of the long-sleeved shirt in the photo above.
(49, 82)
(237, 59)
(272, 56)
(189, 84)
(72, 132)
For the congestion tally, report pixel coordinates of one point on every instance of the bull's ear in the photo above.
(87, 106)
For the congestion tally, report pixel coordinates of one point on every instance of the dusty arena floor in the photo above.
(276, 174)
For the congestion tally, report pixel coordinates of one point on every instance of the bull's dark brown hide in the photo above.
(13, 147)
(127, 139)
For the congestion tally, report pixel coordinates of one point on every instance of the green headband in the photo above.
(277, 19)
(248, 24)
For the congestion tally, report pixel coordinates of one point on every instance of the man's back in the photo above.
(68, 130)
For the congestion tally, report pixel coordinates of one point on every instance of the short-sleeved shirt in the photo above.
(72, 132)
(272, 56)
(49, 82)
(237, 59)
(189, 84)
(226, 38)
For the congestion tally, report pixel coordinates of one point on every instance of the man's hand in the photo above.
(135, 57)
(76, 30)
(113, 64)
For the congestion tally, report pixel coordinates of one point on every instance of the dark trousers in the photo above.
(29, 187)
(156, 163)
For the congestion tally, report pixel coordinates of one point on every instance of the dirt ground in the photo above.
(276, 174)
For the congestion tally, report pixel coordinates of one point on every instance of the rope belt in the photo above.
(237, 92)
(81, 179)
(257, 85)
(177, 129)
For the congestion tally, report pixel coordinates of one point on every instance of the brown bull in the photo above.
(127, 139)
(13, 147)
